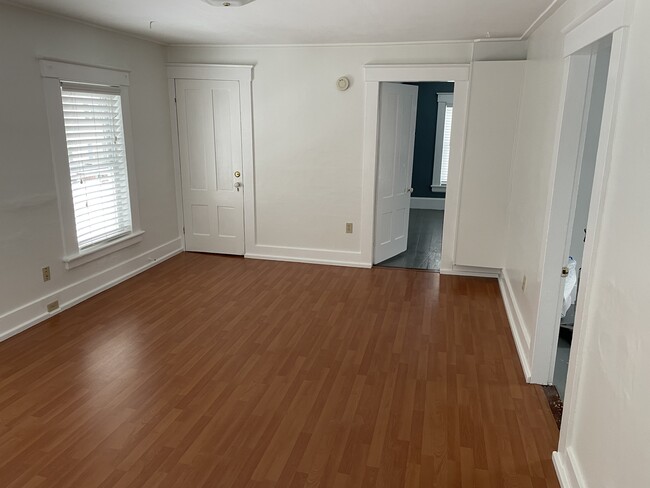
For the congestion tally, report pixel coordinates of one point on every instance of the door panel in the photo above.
(209, 133)
(397, 116)
(201, 220)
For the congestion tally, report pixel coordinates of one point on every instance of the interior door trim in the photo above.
(374, 75)
(219, 72)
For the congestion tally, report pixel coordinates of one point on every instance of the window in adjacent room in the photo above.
(443, 141)
(89, 126)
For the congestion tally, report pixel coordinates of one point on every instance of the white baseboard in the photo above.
(32, 313)
(519, 331)
(428, 203)
(471, 271)
(327, 262)
(307, 255)
(567, 471)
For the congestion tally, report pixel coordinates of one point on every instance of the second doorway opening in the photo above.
(415, 123)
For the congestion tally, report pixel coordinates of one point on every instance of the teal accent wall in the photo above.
(425, 137)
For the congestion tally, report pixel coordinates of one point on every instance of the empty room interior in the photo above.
(290, 243)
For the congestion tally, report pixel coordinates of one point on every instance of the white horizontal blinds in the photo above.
(446, 142)
(97, 158)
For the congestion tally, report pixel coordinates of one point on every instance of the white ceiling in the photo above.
(305, 21)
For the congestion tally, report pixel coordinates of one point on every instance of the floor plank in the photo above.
(424, 242)
(219, 371)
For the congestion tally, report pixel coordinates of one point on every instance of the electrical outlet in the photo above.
(348, 228)
(51, 307)
(523, 283)
(46, 273)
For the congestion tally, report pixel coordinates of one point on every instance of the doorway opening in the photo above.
(212, 138)
(414, 141)
(596, 69)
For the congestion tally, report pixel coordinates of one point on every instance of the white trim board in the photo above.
(568, 140)
(32, 313)
(520, 334)
(238, 72)
(428, 203)
(83, 73)
(307, 255)
(607, 17)
(306, 260)
(567, 470)
(53, 74)
(105, 249)
(471, 271)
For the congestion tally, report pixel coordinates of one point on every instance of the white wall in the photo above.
(309, 136)
(491, 127)
(531, 170)
(30, 235)
(607, 438)
(612, 428)
(531, 178)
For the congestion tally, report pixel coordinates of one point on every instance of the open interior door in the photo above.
(397, 117)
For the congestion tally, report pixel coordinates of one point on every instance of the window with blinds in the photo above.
(446, 142)
(442, 146)
(97, 159)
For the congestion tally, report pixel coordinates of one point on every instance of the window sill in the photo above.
(101, 250)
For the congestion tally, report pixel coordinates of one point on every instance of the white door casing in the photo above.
(210, 146)
(397, 118)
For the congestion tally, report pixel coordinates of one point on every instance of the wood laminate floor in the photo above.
(225, 372)
(424, 242)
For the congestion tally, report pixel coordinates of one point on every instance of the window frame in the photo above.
(53, 73)
(444, 100)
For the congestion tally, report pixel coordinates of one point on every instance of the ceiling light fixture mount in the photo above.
(228, 3)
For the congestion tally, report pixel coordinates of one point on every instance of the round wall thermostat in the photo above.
(343, 83)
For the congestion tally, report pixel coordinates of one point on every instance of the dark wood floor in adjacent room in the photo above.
(424, 249)
(218, 371)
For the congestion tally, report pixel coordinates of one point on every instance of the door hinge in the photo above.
(175, 101)
(183, 229)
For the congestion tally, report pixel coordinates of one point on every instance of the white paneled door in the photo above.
(397, 114)
(210, 143)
